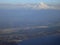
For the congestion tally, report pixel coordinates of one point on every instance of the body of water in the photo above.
(46, 40)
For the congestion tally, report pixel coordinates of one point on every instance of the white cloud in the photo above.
(11, 30)
(40, 5)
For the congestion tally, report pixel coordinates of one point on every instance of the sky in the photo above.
(39, 4)
(30, 1)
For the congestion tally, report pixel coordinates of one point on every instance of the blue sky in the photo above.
(30, 1)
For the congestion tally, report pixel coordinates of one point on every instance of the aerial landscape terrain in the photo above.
(30, 22)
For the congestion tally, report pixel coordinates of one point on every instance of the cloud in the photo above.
(11, 30)
(40, 5)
